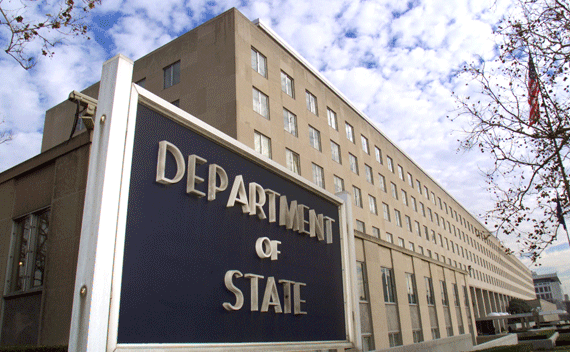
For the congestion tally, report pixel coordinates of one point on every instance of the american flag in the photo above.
(533, 91)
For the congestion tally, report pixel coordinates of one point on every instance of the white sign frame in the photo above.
(95, 315)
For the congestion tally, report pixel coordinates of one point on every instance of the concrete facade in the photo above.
(548, 287)
(431, 268)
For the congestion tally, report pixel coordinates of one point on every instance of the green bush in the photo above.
(34, 349)
(536, 335)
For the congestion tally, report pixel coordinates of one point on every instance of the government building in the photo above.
(427, 270)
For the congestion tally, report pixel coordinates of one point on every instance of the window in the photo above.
(311, 102)
(260, 103)
(398, 217)
(418, 229)
(293, 161)
(378, 153)
(382, 182)
(372, 204)
(141, 82)
(290, 122)
(315, 138)
(421, 250)
(426, 232)
(390, 164)
(369, 174)
(386, 211)
(389, 237)
(401, 242)
(395, 339)
(335, 152)
(414, 204)
(404, 197)
(375, 232)
(365, 315)
(333, 122)
(411, 286)
(353, 161)
(349, 132)
(408, 223)
(412, 246)
(360, 226)
(429, 291)
(400, 172)
(172, 74)
(423, 209)
(430, 214)
(357, 196)
(287, 84)
(419, 186)
(262, 144)
(444, 299)
(388, 286)
(338, 184)
(394, 190)
(258, 62)
(410, 180)
(426, 192)
(318, 175)
(365, 146)
(29, 252)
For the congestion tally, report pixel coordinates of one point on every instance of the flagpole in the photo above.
(557, 150)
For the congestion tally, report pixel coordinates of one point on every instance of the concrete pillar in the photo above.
(486, 301)
(480, 303)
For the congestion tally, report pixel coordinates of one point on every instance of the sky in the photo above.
(397, 61)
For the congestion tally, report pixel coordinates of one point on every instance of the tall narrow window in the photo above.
(365, 315)
(262, 144)
(372, 205)
(287, 84)
(293, 161)
(333, 121)
(290, 122)
(30, 249)
(401, 172)
(386, 211)
(318, 175)
(349, 132)
(260, 103)
(394, 332)
(414, 308)
(398, 217)
(410, 180)
(171, 74)
(394, 190)
(365, 146)
(258, 62)
(335, 152)
(353, 161)
(388, 286)
(369, 174)
(315, 138)
(382, 182)
(311, 102)
(338, 184)
(357, 196)
(378, 153)
(390, 163)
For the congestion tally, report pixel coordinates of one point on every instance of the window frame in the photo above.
(260, 65)
(172, 72)
(332, 118)
(311, 101)
(290, 122)
(285, 78)
(261, 136)
(318, 175)
(258, 108)
(293, 160)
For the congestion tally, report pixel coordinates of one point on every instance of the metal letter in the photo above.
(301, 218)
(254, 284)
(255, 204)
(260, 248)
(164, 146)
(316, 225)
(192, 179)
(236, 291)
(271, 297)
(328, 227)
(297, 298)
(286, 295)
(214, 170)
(238, 188)
(274, 250)
(288, 216)
(271, 197)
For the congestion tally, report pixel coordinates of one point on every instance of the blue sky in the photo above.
(395, 60)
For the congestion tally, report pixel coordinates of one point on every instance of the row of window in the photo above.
(261, 106)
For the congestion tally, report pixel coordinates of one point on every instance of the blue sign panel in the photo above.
(222, 249)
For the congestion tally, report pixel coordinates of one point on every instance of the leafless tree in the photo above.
(5, 136)
(530, 156)
(40, 22)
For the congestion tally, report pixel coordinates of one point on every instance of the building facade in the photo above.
(427, 269)
(549, 288)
